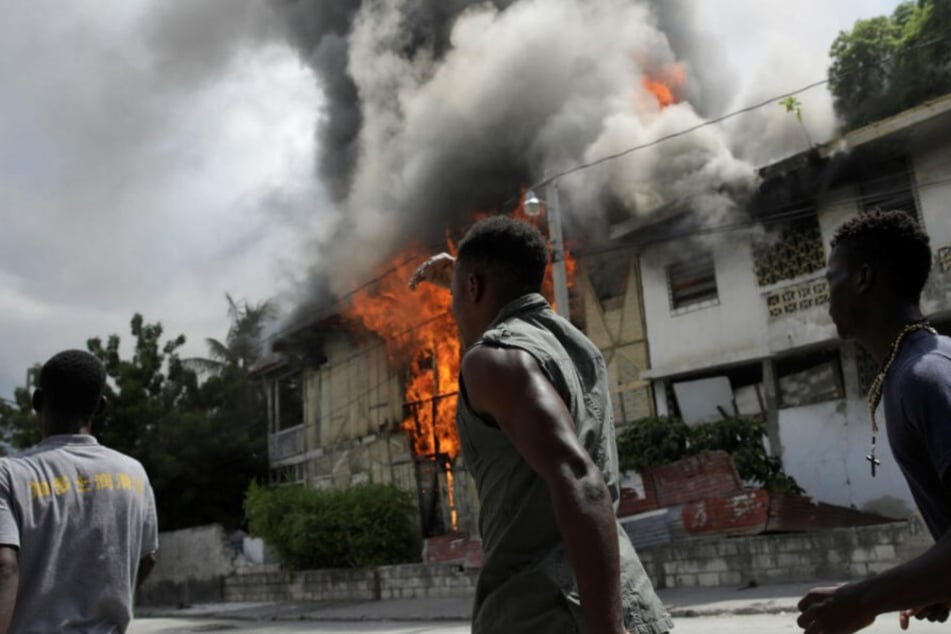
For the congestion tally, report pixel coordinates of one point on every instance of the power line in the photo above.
(326, 310)
(773, 100)
(786, 215)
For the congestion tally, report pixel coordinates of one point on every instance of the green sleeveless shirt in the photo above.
(527, 583)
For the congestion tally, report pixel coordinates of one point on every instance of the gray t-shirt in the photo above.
(917, 404)
(82, 516)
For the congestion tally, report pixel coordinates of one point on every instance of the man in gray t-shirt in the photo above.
(78, 527)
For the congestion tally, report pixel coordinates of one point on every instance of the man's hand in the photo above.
(436, 270)
(933, 613)
(835, 610)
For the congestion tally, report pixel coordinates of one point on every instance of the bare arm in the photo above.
(508, 386)
(923, 581)
(437, 270)
(9, 582)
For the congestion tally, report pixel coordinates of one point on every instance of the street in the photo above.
(728, 624)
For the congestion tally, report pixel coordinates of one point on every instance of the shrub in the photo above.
(364, 526)
(654, 441)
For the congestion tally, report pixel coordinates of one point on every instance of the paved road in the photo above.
(747, 624)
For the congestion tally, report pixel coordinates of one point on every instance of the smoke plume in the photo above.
(437, 109)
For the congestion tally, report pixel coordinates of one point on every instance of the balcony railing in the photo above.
(285, 444)
(797, 297)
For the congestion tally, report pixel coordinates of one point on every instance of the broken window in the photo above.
(809, 378)
(788, 251)
(692, 284)
(717, 394)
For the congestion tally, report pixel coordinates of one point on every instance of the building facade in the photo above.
(737, 314)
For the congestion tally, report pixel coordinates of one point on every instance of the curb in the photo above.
(319, 613)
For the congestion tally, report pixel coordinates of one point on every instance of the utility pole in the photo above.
(558, 271)
(533, 207)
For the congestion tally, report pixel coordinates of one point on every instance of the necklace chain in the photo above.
(875, 392)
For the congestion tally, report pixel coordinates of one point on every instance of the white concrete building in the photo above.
(743, 304)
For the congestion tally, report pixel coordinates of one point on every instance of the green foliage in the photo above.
(653, 441)
(794, 106)
(650, 442)
(18, 421)
(361, 527)
(889, 63)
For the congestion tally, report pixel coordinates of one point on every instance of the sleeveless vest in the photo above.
(527, 583)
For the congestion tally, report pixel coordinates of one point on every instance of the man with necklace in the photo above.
(878, 267)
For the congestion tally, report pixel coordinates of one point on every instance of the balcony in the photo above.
(285, 444)
(798, 313)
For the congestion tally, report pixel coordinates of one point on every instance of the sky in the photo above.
(155, 156)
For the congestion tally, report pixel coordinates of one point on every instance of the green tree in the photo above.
(242, 346)
(18, 422)
(889, 63)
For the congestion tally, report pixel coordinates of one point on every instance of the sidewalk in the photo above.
(681, 602)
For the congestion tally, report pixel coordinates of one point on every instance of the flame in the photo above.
(665, 85)
(420, 335)
(451, 489)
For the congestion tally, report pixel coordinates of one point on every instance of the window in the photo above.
(288, 474)
(289, 402)
(692, 284)
(809, 378)
(889, 186)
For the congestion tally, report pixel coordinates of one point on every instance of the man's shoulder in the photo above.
(929, 364)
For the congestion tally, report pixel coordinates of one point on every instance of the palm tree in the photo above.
(242, 346)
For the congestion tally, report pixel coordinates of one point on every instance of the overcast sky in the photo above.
(155, 156)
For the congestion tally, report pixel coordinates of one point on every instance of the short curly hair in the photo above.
(72, 382)
(514, 250)
(894, 242)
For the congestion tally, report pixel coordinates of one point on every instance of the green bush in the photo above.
(654, 441)
(361, 527)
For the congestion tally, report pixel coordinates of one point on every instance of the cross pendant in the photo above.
(873, 462)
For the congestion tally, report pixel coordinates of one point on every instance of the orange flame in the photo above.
(666, 84)
(420, 335)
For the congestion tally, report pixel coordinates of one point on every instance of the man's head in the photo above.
(880, 261)
(499, 260)
(70, 392)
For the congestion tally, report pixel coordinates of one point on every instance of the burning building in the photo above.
(434, 113)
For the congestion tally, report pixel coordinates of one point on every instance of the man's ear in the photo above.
(103, 403)
(37, 400)
(475, 287)
(864, 278)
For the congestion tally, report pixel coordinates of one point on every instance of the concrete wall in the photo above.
(410, 581)
(733, 330)
(826, 456)
(846, 553)
(933, 176)
(192, 564)
(837, 554)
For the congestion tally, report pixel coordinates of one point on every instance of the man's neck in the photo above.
(881, 334)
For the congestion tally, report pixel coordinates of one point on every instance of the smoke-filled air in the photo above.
(437, 109)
